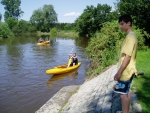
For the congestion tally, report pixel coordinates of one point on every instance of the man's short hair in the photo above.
(126, 18)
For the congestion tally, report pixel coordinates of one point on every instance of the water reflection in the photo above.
(24, 82)
(14, 57)
(82, 41)
(71, 75)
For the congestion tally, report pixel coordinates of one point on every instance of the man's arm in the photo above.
(122, 67)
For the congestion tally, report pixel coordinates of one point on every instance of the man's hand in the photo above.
(117, 76)
(122, 67)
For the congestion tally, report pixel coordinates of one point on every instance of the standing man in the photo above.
(126, 66)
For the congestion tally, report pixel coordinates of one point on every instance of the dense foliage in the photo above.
(139, 9)
(92, 19)
(44, 18)
(20, 27)
(64, 26)
(5, 32)
(103, 49)
(12, 8)
(53, 32)
(12, 22)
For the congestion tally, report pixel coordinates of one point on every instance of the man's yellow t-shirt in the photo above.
(129, 47)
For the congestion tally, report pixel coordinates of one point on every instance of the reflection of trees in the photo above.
(15, 57)
(82, 42)
(19, 40)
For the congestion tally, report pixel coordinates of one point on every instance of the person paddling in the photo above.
(75, 59)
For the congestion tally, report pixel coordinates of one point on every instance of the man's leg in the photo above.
(125, 99)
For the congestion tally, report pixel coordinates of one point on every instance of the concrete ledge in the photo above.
(58, 100)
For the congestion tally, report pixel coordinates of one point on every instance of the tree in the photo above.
(44, 18)
(92, 18)
(138, 9)
(53, 32)
(5, 32)
(31, 29)
(22, 26)
(68, 26)
(12, 9)
(85, 21)
(11, 22)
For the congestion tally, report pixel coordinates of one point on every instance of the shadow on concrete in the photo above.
(106, 102)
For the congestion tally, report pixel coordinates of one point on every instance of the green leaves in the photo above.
(5, 31)
(20, 27)
(12, 8)
(53, 33)
(103, 49)
(139, 10)
(11, 22)
(44, 18)
(92, 19)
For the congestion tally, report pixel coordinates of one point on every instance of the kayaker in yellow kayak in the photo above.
(73, 60)
(40, 40)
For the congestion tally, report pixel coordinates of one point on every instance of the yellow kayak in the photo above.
(62, 69)
(45, 43)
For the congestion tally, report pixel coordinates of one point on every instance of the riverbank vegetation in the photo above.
(5, 31)
(104, 47)
(68, 33)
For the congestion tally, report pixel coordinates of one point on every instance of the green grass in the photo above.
(142, 83)
(68, 33)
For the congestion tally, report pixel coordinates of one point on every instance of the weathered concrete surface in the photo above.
(94, 96)
(55, 104)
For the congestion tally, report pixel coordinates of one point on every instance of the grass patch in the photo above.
(62, 108)
(69, 34)
(142, 83)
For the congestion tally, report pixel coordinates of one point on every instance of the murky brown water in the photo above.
(24, 86)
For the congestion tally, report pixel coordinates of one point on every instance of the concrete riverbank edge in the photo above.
(93, 96)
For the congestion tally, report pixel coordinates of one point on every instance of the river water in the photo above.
(24, 85)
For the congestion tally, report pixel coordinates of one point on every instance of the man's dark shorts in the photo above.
(123, 87)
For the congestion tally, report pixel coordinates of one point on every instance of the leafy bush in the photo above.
(11, 22)
(20, 27)
(5, 32)
(53, 32)
(103, 49)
